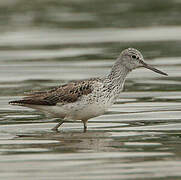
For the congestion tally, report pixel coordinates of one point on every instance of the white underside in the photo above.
(73, 111)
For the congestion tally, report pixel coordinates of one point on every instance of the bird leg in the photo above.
(57, 126)
(85, 126)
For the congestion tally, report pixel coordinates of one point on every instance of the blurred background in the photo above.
(45, 43)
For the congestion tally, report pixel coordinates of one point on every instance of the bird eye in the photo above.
(134, 57)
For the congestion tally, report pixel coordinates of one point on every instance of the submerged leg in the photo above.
(85, 126)
(57, 126)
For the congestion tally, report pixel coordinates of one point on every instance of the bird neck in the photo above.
(118, 74)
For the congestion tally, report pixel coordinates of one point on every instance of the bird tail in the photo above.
(18, 102)
(23, 102)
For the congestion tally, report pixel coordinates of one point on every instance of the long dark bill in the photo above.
(152, 68)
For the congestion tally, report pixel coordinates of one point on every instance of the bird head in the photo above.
(132, 59)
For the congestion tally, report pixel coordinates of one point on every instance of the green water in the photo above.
(45, 43)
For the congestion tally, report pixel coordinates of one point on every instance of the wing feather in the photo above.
(67, 93)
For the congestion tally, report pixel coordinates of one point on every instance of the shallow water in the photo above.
(58, 41)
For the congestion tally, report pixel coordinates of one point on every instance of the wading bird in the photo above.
(85, 99)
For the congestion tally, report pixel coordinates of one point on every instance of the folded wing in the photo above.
(67, 93)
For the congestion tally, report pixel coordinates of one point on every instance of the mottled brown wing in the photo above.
(64, 94)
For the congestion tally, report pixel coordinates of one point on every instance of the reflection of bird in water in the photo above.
(85, 99)
(74, 141)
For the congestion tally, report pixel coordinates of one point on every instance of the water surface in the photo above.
(53, 42)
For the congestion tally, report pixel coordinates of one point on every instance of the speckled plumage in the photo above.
(82, 100)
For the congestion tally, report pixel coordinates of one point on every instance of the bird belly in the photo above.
(86, 112)
(72, 111)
